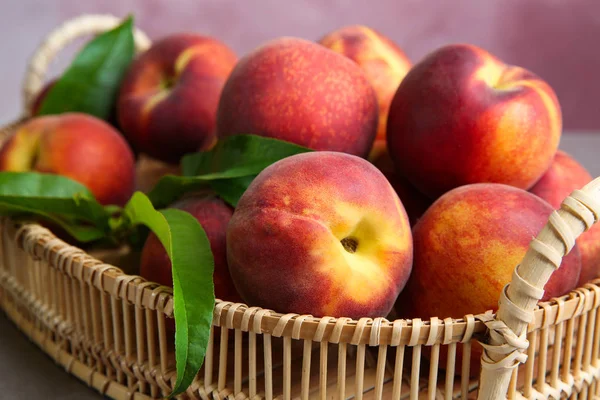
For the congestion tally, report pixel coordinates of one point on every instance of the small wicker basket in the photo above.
(108, 328)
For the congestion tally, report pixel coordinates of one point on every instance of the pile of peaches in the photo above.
(426, 182)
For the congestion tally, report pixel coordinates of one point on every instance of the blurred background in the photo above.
(556, 39)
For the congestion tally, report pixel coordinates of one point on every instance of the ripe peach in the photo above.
(463, 116)
(563, 177)
(213, 214)
(79, 146)
(466, 247)
(384, 63)
(168, 100)
(320, 233)
(298, 91)
(414, 201)
(41, 96)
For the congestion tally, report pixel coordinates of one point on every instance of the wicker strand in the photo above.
(434, 360)
(60, 38)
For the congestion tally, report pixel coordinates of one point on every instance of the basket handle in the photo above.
(60, 38)
(507, 340)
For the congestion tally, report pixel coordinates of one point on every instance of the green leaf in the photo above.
(228, 168)
(76, 229)
(230, 190)
(188, 248)
(54, 198)
(237, 156)
(91, 83)
(170, 187)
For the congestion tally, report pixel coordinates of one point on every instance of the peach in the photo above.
(563, 177)
(168, 99)
(414, 201)
(463, 116)
(78, 146)
(213, 214)
(41, 96)
(298, 91)
(320, 233)
(384, 63)
(466, 247)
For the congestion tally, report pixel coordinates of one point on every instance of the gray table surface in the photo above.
(27, 373)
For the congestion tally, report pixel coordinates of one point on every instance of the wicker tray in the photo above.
(107, 326)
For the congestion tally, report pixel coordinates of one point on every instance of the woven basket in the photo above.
(108, 327)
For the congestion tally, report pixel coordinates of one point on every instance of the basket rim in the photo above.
(41, 243)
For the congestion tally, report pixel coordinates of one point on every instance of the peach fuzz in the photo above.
(463, 116)
(168, 99)
(466, 247)
(320, 233)
(384, 62)
(563, 177)
(298, 91)
(78, 146)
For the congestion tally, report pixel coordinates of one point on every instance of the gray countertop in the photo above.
(27, 373)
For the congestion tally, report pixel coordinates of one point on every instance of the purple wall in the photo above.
(558, 40)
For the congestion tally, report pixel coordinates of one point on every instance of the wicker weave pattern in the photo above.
(109, 329)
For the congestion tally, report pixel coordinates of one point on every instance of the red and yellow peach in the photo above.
(78, 146)
(384, 63)
(298, 91)
(466, 247)
(168, 100)
(463, 116)
(320, 233)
